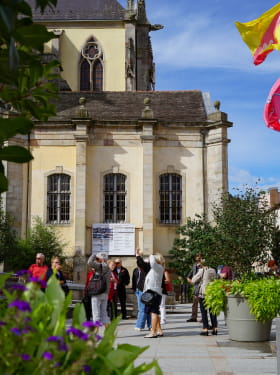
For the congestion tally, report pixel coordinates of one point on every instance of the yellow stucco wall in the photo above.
(46, 160)
(112, 42)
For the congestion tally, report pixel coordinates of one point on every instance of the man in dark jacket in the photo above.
(193, 271)
(124, 279)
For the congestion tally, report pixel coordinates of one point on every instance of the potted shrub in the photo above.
(249, 305)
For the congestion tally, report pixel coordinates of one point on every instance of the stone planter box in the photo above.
(242, 325)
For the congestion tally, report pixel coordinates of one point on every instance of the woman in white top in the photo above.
(153, 281)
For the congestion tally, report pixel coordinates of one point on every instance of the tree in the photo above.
(245, 228)
(196, 236)
(17, 253)
(25, 83)
(242, 234)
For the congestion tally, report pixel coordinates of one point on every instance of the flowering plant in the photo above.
(35, 338)
(263, 295)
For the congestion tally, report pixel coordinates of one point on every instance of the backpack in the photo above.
(97, 285)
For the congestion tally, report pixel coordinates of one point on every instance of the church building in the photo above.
(121, 165)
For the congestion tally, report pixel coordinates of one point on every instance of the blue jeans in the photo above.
(142, 317)
(204, 316)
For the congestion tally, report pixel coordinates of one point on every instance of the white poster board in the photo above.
(113, 239)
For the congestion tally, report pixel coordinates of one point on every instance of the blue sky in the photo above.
(200, 48)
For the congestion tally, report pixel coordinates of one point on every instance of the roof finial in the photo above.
(82, 111)
(217, 105)
(147, 111)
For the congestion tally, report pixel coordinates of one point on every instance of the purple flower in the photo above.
(19, 287)
(78, 333)
(47, 355)
(41, 282)
(23, 272)
(58, 364)
(86, 368)
(20, 305)
(2, 323)
(25, 357)
(98, 337)
(62, 347)
(55, 338)
(16, 331)
(89, 324)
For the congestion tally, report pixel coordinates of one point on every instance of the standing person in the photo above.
(124, 279)
(166, 287)
(153, 281)
(203, 277)
(138, 280)
(99, 302)
(56, 267)
(113, 292)
(192, 273)
(39, 269)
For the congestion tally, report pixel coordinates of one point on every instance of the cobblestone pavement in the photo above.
(183, 351)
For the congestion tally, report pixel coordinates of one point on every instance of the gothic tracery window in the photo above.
(91, 67)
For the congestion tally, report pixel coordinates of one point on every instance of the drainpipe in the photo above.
(27, 189)
(203, 133)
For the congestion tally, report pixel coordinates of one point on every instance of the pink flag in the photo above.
(272, 107)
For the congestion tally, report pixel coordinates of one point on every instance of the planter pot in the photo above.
(242, 325)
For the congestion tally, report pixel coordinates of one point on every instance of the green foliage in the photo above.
(35, 340)
(245, 228)
(215, 295)
(19, 253)
(26, 85)
(263, 296)
(243, 233)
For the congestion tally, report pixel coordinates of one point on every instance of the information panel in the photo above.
(114, 239)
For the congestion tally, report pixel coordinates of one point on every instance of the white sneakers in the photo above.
(138, 329)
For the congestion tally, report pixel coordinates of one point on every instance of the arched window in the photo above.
(91, 67)
(58, 197)
(114, 198)
(170, 198)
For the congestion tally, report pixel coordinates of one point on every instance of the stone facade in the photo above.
(140, 134)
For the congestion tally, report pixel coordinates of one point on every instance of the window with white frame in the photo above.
(58, 197)
(114, 198)
(170, 198)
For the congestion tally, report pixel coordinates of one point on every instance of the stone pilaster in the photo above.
(148, 185)
(217, 156)
(81, 136)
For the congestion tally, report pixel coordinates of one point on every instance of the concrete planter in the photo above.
(242, 325)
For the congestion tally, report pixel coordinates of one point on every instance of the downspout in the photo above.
(27, 189)
(203, 133)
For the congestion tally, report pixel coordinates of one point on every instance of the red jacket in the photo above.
(113, 291)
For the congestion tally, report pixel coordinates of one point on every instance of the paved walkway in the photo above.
(183, 351)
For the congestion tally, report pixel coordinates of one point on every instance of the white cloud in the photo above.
(199, 41)
(238, 178)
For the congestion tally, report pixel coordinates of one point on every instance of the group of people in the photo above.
(104, 305)
(42, 272)
(150, 274)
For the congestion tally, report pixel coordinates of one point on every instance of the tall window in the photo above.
(58, 208)
(114, 198)
(170, 196)
(91, 68)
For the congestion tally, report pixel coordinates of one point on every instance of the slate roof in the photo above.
(74, 10)
(168, 106)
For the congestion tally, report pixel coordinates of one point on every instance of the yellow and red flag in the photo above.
(262, 35)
